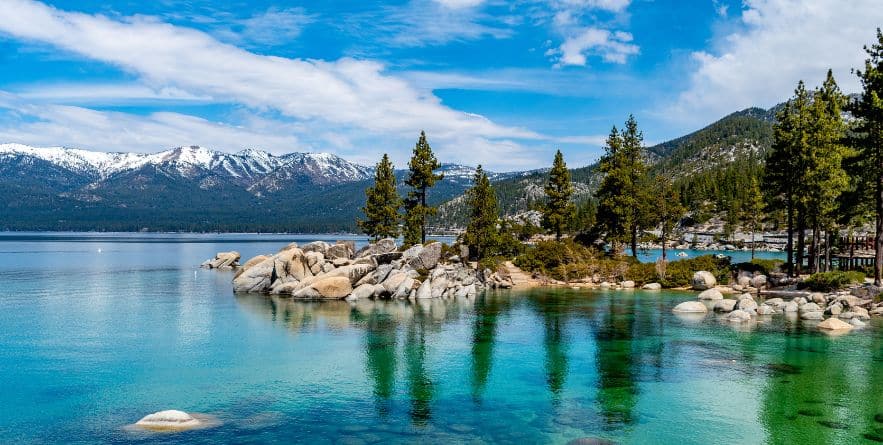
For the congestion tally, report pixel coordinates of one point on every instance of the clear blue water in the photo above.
(736, 256)
(93, 341)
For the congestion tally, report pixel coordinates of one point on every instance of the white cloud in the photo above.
(613, 47)
(51, 125)
(349, 96)
(272, 27)
(106, 93)
(607, 5)
(780, 43)
(458, 4)
(571, 18)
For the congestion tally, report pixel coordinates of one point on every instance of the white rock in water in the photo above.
(711, 294)
(652, 286)
(835, 324)
(168, 420)
(691, 307)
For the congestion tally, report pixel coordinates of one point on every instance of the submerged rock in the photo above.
(168, 420)
(725, 305)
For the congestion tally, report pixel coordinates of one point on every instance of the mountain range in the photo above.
(198, 189)
(189, 188)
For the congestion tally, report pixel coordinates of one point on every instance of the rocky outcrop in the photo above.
(222, 260)
(691, 307)
(322, 271)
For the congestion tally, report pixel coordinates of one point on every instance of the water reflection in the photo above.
(422, 360)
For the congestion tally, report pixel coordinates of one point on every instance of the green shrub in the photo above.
(763, 266)
(680, 273)
(830, 281)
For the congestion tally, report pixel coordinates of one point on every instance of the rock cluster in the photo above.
(839, 311)
(222, 260)
(750, 282)
(322, 271)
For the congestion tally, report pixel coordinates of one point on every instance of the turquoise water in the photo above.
(736, 256)
(93, 341)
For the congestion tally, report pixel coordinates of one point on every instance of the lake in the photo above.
(99, 330)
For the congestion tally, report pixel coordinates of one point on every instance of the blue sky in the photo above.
(493, 82)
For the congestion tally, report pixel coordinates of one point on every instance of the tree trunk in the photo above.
(789, 246)
(753, 241)
(664, 238)
(801, 241)
(878, 239)
(829, 240)
(635, 242)
(816, 244)
(423, 216)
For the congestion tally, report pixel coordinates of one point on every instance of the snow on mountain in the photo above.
(245, 167)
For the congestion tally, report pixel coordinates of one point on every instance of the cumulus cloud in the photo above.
(582, 40)
(779, 43)
(348, 96)
(72, 126)
(613, 47)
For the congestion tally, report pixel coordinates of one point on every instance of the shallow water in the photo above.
(93, 341)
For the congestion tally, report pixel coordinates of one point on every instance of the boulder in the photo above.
(743, 281)
(765, 309)
(774, 301)
(759, 281)
(249, 264)
(424, 258)
(223, 260)
(405, 287)
(256, 278)
(738, 316)
(169, 420)
(338, 251)
(812, 315)
(810, 307)
(316, 246)
(652, 286)
(711, 294)
(381, 247)
(747, 304)
(834, 309)
(725, 305)
(691, 307)
(424, 291)
(361, 292)
(861, 313)
(328, 288)
(703, 280)
(857, 323)
(835, 324)
(628, 284)
(790, 307)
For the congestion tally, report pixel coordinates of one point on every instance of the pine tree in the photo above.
(624, 201)
(753, 214)
(825, 177)
(382, 203)
(421, 177)
(785, 166)
(868, 111)
(613, 213)
(558, 210)
(669, 210)
(482, 235)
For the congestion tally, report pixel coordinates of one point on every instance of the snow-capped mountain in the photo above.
(246, 168)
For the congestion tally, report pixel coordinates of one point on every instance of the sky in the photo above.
(498, 83)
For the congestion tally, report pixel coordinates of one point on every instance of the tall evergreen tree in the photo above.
(558, 210)
(624, 202)
(753, 212)
(382, 203)
(825, 177)
(784, 166)
(481, 234)
(868, 111)
(612, 216)
(668, 208)
(421, 178)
